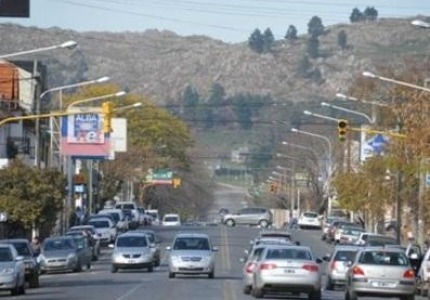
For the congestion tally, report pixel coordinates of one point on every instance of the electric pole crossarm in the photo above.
(393, 134)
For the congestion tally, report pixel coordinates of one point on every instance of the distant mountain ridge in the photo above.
(161, 64)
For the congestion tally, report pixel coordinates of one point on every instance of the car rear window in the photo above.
(386, 258)
(345, 255)
(171, 219)
(299, 254)
(99, 224)
(310, 215)
(375, 240)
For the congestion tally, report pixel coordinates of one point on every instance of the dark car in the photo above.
(24, 249)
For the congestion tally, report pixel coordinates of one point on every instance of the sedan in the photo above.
(192, 253)
(12, 270)
(154, 244)
(291, 269)
(380, 272)
(132, 250)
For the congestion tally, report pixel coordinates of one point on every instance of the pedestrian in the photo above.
(35, 244)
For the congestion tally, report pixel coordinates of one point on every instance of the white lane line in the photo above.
(130, 291)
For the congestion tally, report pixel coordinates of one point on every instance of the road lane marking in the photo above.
(130, 292)
(224, 237)
(228, 291)
(222, 249)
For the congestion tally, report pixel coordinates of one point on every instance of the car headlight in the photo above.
(175, 258)
(71, 256)
(7, 271)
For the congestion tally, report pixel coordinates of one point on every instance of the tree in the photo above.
(256, 41)
(268, 40)
(242, 110)
(342, 39)
(313, 47)
(304, 66)
(356, 16)
(190, 100)
(370, 14)
(315, 26)
(31, 196)
(291, 34)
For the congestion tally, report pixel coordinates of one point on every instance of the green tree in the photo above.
(356, 16)
(370, 14)
(242, 110)
(304, 66)
(268, 40)
(256, 41)
(31, 196)
(342, 39)
(313, 46)
(190, 100)
(315, 27)
(291, 34)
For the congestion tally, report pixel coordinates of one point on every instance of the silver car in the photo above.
(132, 250)
(338, 264)
(248, 268)
(291, 269)
(380, 272)
(154, 243)
(12, 270)
(249, 216)
(192, 253)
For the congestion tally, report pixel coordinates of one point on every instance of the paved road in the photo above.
(99, 283)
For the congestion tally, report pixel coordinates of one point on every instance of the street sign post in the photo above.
(162, 176)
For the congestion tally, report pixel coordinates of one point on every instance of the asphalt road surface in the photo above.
(99, 283)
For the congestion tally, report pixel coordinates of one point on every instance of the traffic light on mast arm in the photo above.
(273, 187)
(107, 110)
(342, 127)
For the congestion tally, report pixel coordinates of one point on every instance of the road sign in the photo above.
(162, 176)
(428, 179)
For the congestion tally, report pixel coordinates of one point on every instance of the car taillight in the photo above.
(265, 266)
(311, 268)
(249, 267)
(409, 274)
(357, 271)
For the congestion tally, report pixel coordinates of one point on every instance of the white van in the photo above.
(171, 220)
(129, 205)
(154, 214)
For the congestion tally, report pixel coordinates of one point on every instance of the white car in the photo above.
(129, 205)
(122, 222)
(309, 220)
(106, 228)
(171, 220)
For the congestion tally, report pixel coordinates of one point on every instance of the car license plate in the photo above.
(383, 284)
(131, 261)
(289, 271)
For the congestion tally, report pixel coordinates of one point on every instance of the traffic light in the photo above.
(107, 110)
(273, 187)
(342, 127)
(176, 182)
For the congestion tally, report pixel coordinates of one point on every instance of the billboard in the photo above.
(15, 8)
(82, 136)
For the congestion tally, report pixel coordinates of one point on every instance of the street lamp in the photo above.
(407, 84)
(117, 94)
(419, 23)
(327, 140)
(137, 104)
(369, 119)
(345, 97)
(309, 113)
(65, 45)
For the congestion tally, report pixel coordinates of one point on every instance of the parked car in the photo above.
(331, 230)
(287, 269)
(62, 254)
(380, 272)
(89, 229)
(191, 253)
(132, 222)
(154, 215)
(132, 250)
(327, 224)
(338, 264)
(25, 250)
(12, 270)
(90, 242)
(249, 216)
(347, 234)
(309, 219)
(373, 239)
(171, 220)
(121, 222)
(106, 228)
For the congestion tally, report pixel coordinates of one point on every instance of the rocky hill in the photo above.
(161, 64)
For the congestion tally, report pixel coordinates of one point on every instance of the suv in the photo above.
(24, 249)
(129, 205)
(249, 216)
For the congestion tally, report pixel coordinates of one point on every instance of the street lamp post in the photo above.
(65, 45)
(369, 119)
(407, 84)
(327, 140)
(97, 98)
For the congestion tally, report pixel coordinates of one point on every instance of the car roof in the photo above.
(22, 240)
(132, 233)
(382, 248)
(100, 219)
(289, 247)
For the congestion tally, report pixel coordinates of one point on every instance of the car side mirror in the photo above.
(19, 258)
(215, 249)
(168, 248)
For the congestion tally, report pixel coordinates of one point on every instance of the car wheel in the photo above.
(78, 268)
(329, 285)
(171, 275)
(211, 275)
(113, 269)
(264, 223)
(34, 281)
(257, 293)
(315, 295)
(247, 289)
(88, 266)
(229, 223)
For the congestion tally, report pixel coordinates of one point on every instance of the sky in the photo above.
(226, 20)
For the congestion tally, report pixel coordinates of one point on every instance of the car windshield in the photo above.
(60, 244)
(345, 255)
(352, 231)
(310, 215)
(22, 248)
(191, 243)
(5, 255)
(171, 219)
(99, 224)
(288, 253)
(131, 241)
(385, 258)
(151, 237)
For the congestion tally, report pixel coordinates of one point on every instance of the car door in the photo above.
(242, 215)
